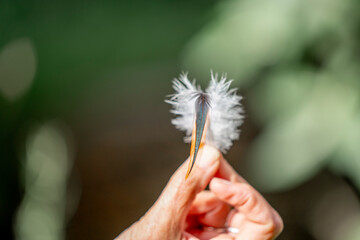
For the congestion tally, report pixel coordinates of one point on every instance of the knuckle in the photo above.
(239, 197)
(274, 226)
(278, 222)
(243, 196)
(270, 228)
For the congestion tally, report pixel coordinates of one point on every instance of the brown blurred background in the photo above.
(86, 143)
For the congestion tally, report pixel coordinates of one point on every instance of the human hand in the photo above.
(185, 211)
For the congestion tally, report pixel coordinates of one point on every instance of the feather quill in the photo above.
(198, 136)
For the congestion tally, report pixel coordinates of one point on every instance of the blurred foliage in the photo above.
(53, 54)
(46, 168)
(76, 42)
(17, 55)
(299, 62)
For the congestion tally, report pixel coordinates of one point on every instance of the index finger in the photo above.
(247, 201)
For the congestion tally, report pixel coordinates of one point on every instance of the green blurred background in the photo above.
(86, 143)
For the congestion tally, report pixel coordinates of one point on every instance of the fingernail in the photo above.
(208, 157)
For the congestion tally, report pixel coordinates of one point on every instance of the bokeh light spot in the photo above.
(17, 68)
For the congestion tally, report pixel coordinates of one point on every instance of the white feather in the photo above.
(225, 110)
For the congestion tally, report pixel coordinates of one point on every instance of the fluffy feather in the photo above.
(225, 110)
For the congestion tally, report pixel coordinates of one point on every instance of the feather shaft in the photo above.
(201, 113)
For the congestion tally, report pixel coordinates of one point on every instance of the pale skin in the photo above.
(185, 210)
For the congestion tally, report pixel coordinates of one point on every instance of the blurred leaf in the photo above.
(280, 94)
(246, 36)
(77, 42)
(249, 36)
(17, 68)
(332, 216)
(46, 168)
(294, 148)
(346, 160)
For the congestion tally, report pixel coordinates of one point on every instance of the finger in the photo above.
(279, 225)
(188, 236)
(227, 172)
(216, 217)
(204, 202)
(211, 210)
(244, 198)
(223, 236)
(200, 234)
(179, 193)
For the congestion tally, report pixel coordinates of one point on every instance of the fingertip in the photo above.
(218, 185)
(210, 156)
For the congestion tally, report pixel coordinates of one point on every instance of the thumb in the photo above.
(179, 193)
